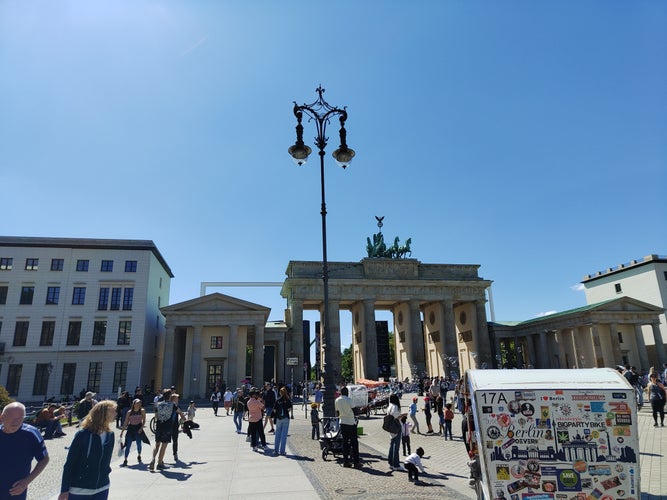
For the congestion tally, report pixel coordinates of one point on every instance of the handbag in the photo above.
(391, 425)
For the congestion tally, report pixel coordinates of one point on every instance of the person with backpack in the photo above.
(164, 416)
(657, 396)
(239, 409)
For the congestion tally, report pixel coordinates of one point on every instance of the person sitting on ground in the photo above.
(412, 462)
(190, 423)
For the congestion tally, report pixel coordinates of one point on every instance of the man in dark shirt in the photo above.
(25, 443)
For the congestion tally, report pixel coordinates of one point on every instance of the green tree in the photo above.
(347, 364)
(4, 398)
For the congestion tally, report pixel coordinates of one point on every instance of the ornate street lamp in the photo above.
(321, 112)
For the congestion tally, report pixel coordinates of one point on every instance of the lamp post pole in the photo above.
(321, 113)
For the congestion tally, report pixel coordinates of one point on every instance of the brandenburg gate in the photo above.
(439, 313)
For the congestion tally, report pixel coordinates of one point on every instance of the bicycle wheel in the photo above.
(153, 425)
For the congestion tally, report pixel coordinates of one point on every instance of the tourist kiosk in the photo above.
(553, 434)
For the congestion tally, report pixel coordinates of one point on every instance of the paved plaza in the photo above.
(218, 463)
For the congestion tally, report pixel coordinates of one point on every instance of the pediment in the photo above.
(626, 304)
(214, 303)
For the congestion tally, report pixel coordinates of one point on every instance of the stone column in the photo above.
(334, 340)
(481, 336)
(615, 344)
(184, 385)
(415, 338)
(543, 361)
(577, 349)
(641, 349)
(519, 355)
(595, 344)
(167, 376)
(532, 358)
(560, 341)
(258, 356)
(449, 340)
(295, 346)
(369, 339)
(280, 360)
(659, 344)
(234, 357)
(196, 364)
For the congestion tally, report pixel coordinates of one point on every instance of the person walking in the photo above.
(239, 409)
(405, 435)
(20, 444)
(177, 418)
(164, 416)
(394, 409)
(227, 398)
(281, 414)
(269, 399)
(427, 414)
(255, 428)
(215, 400)
(87, 467)
(657, 397)
(85, 405)
(348, 428)
(134, 423)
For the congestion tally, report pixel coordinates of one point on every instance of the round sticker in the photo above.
(493, 432)
(527, 409)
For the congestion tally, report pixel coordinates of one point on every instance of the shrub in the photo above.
(4, 397)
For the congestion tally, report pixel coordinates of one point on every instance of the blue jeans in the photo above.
(282, 427)
(394, 446)
(238, 420)
(136, 438)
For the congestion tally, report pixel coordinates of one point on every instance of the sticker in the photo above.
(493, 432)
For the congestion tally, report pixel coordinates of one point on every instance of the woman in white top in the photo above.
(394, 409)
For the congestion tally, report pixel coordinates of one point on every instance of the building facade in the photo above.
(79, 313)
(643, 279)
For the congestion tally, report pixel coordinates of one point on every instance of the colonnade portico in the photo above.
(439, 314)
(598, 335)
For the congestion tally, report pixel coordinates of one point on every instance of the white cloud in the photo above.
(547, 313)
(579, 287)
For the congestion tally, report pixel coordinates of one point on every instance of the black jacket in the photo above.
(87, 464)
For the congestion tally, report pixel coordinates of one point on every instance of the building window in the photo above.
(130, 266)
(6, 263)
(99, 332)
(128, 294)
(41, 382)
(115, 299)
(27, 293)
(94, 376)
(57, 264)
(216, 342)
(67, 382)
(82, 265)
(74, 333)
(3, 294)
(79, 296)
(52, 295)
(31, 264)
(107, 266)
(617, 287)
(124, 331)
(21, 333)
(48, 329)
(119, 375)
(620, 337)
(14, 379)
(103, 301)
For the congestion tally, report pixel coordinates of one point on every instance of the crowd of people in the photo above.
(266, 410)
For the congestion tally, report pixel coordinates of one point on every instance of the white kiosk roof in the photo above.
(582, 378)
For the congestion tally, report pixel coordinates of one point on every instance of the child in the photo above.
(405, 434)
(413, 416)
(449, 417)
(190, 424)
(315, 421)
(427, 413)
(412, 462)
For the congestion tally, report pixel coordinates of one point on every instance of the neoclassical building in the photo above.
(604, 334)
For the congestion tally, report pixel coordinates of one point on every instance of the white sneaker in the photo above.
(402, 467)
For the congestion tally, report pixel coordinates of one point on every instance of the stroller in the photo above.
(332, 438)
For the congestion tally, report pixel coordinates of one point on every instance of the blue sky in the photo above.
(526, 137)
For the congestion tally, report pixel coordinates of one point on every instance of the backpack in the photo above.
(164, 411)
